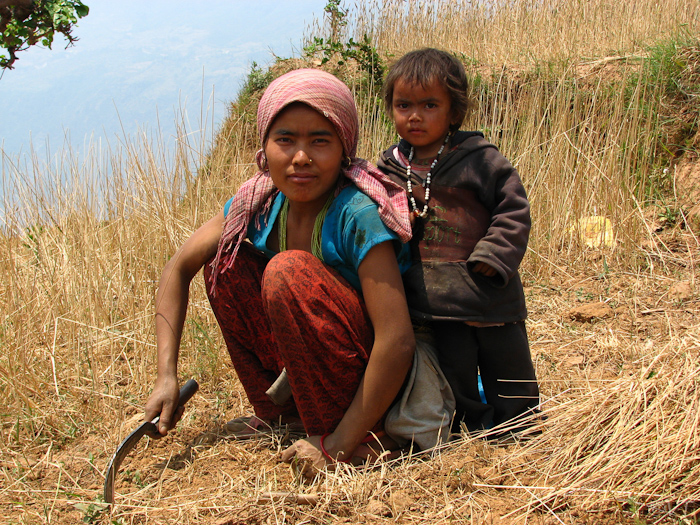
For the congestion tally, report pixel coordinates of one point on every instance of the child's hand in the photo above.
(485, 269)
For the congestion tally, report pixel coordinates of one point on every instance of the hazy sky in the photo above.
(138, 62)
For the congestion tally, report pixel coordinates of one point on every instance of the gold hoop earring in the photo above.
(262, 161)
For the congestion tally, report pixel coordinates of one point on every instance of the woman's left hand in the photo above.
(306, 454)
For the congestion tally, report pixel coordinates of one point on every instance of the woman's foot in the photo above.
(252, 427)
(376, 447)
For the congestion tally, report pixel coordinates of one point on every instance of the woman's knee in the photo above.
(290, 274)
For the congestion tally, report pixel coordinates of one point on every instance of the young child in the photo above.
(470, 232)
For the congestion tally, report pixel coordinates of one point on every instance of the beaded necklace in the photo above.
(409, 186)
(315, 234)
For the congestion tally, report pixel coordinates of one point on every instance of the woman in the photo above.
(317, 290)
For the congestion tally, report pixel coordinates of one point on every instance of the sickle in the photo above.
(147, 427)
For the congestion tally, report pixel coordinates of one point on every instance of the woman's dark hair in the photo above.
(422, 66)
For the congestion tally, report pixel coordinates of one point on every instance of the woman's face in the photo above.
(304, 154)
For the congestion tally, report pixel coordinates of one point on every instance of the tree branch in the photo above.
(16, 3)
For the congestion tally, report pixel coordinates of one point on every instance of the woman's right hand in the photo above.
(163, 402)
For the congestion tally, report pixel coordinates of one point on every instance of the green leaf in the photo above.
(82, 10)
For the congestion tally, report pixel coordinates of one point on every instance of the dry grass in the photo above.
(525, 32)
(568, 99)
(619, 442)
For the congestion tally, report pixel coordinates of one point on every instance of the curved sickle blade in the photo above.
(147, 427)
(126, 446)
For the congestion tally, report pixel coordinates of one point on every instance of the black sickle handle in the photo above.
(187, 391)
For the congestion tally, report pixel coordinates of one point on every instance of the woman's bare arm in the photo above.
(171, 307)
(389, 362)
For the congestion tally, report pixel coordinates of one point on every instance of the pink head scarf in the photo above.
(331, 98)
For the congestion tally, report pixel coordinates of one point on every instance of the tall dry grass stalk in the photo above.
(83, 244)
(583, 145)
(525, 32)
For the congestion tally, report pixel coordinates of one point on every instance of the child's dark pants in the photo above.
(502, 355)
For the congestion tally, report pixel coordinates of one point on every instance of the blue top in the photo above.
(352, 227)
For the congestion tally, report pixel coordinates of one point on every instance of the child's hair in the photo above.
(421, 67)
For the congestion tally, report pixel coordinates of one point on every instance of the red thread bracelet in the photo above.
(327, 455)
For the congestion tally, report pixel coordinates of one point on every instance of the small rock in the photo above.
(378, 508)
(484, 473)
(575, 360)
(400, 501)
(681, 291)
(587, 313)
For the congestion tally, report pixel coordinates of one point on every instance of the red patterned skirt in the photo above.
(293, 312)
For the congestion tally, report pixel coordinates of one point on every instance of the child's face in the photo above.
(422, 116)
